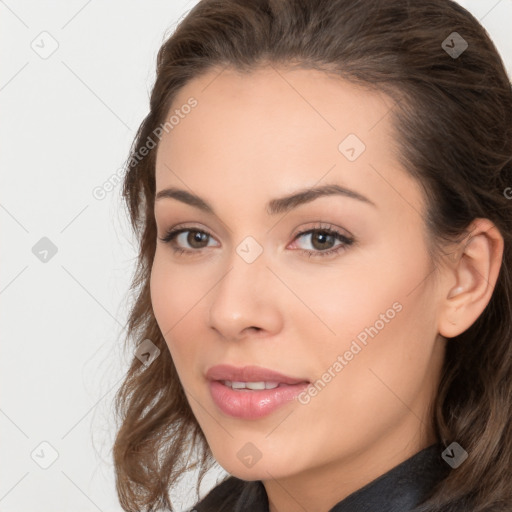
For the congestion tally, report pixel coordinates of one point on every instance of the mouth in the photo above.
(253, 378)
(254, 386)
(252, 392)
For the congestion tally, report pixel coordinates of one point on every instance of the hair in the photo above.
(452, 118)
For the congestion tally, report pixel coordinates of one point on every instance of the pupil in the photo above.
(324, 237)
(195, 238)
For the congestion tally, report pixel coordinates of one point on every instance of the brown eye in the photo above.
(196, 238)
(322, 240)
(187, 240)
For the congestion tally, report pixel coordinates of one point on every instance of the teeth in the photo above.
(251, 385)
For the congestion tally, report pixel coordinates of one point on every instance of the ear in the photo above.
(470, 279)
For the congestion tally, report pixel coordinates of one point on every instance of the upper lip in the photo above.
(249, 374)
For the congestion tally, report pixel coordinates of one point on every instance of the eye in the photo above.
(196, 239)
(322, 239)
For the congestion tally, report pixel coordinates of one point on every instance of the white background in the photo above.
(67, 123)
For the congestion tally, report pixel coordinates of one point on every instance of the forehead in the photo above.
(277, 106)
(284, 127)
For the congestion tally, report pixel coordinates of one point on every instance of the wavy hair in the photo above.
(452, 118)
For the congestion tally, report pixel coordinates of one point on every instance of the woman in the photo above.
(321, 191)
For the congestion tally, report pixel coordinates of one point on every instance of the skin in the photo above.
(253, 138)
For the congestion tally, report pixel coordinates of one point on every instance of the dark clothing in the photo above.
(399, 490)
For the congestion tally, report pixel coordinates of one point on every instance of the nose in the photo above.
(246, 300)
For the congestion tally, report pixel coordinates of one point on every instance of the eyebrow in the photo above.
(275, 206)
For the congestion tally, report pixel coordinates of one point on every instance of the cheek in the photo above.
(370, 285)
(382, 316)
(179, 298)
(172, 299)
(175, 291)
(377, 298)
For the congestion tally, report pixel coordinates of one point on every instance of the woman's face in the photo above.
(351, 304)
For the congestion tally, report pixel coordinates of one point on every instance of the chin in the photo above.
(263, 469)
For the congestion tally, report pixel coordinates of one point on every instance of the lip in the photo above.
(250, 374)
(251, 404)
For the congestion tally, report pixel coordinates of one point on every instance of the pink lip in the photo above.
(251, 404)
(249, 374)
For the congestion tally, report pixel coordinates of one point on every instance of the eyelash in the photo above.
(326, 229)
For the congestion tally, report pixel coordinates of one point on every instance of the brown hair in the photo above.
(453, 119)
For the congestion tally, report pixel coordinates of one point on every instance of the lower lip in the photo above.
(249, 404)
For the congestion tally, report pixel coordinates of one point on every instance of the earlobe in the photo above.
(475, 270)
